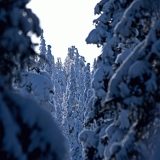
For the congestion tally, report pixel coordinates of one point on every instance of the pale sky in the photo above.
(66, 23)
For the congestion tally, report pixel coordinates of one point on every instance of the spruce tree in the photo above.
(121, 122)
(27, 131)
(50, 62)
(136, 97)
(74, 107)
(110, 13)
(87, 82)
(43, 51)
(69, 60)
(37, 84)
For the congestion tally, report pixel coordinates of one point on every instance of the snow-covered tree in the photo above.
(72, 123)
(125, 116)
(71, 105)
(110, 13)
(72, 101)
(50, 64)
(87, 83)
(138, 103)
(58, 102)
(43, 51)
(69, 60)
(37, 83)
(76, 148)
(136, 97)
(59, 90)
(13, 31)
(61, 75)
(50, 68)
(78, 63)
(26, 130)
(94, 67)
(42, 45)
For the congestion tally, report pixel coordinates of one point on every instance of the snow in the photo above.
(151, 85)
(97, 9)
(122, 71)
(138, 69)
(121, 57)
(96, 36)
(124, 90)
(111, 110)
(107, 7)
(38, 87)
(88, 137)
(110, 130)
(123, 122)
(27, 130)
(32, 117)
(116, 138)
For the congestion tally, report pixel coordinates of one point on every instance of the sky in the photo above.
(67, 23)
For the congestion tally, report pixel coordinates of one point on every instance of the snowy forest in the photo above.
(74, 110)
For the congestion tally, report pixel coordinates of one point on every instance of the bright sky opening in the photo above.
(67, 23)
